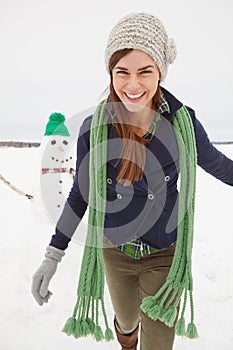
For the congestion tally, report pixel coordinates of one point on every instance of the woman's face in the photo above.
(135, 80)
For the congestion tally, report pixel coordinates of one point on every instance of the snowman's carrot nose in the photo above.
(61, 148)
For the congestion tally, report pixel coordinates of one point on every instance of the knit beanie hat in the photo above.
(144, 32)
(56, 126)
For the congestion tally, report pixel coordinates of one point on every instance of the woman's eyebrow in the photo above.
(139, 69)
(146, 67)
(121, 68)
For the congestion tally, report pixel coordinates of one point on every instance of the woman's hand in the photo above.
(43, 275)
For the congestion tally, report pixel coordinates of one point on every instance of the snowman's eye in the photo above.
(53, 142)
(65, 142)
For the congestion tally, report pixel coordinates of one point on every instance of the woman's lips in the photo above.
(134, 97)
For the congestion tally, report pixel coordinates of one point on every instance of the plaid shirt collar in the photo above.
(163, 105)
(162, 108)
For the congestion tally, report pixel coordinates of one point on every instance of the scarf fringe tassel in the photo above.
(168, 314)
(83, 326)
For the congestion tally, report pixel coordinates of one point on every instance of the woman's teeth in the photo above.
(134, 97)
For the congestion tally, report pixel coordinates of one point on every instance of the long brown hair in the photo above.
(133, 154)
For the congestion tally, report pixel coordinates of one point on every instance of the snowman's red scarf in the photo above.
(56, 170)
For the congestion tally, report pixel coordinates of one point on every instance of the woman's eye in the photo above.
(53, 142)
(65, 142)
(121, 72)
(146, 72)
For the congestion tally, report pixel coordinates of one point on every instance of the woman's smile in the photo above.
(135, 97)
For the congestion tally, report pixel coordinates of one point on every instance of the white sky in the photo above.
(52, 59)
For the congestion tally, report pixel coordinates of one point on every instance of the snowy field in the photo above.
(27, 326)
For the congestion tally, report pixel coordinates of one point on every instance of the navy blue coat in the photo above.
(148, 209)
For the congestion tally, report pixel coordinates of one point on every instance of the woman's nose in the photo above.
(133, 83)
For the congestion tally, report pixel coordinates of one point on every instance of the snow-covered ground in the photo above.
(26, 326)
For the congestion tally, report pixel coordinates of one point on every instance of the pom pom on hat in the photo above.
(56, 126)
(57, 117)
(171, 51)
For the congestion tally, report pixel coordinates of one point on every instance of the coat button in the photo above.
(109, 181)
(150, 196)
(167, 178)
(119, 196)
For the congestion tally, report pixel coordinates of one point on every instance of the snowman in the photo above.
(57, 166)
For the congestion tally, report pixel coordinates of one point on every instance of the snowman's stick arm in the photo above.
(15, 188)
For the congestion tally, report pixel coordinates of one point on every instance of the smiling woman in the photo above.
(130, 154)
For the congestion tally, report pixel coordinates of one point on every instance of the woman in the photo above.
(133, 199)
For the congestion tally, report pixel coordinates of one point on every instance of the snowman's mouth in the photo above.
(62, 161)
(56, 160)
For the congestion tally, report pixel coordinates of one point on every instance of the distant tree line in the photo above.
(21, 144)
(222, 142)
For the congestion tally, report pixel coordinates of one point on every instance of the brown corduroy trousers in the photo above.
(129, 281)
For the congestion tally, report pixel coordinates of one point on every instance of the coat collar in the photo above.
(173, 102)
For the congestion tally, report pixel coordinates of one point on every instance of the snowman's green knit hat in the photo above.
(56, 126)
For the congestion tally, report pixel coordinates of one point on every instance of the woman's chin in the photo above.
(133, 107)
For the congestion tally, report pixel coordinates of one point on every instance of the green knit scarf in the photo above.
(163, 305)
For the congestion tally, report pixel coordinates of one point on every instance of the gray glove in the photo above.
(42, 276)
